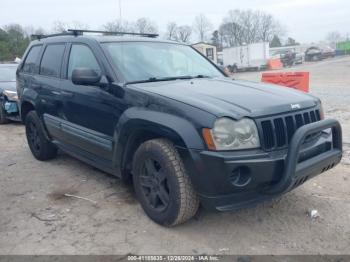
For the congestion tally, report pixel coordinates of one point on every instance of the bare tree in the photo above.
(30, 30)
(59, 26)
(119, 26)
(202, 26)
(171, 31)
(269, 27)
(78, 25)
(184, 33)
(246, 27)
(334, 37)
(145, 26)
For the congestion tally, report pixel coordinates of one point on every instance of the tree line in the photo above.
(238, 27)
(13, 42)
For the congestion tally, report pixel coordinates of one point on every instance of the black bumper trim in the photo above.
(293, 169)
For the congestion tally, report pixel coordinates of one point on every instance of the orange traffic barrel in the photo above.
(274, 64)
(296, 80)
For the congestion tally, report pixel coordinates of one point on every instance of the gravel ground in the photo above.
(35, 217)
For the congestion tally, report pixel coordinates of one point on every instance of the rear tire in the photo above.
(3, 119)
(41, 148)
(162, 184)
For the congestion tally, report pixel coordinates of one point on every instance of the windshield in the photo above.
(8, 73)
(142, 61)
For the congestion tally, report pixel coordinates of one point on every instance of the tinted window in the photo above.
(82, 56)
(52, 60)
(29, 64)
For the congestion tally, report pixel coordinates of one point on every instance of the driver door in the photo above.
(90, 113)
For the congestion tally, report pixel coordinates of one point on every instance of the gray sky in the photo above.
(305, 20)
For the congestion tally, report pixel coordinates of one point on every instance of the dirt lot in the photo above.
(36, 219)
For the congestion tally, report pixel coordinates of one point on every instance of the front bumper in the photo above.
(233, 180)
(11, 108)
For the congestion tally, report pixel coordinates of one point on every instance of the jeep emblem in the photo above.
(295, 106)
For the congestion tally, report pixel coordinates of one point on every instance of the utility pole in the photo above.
(120, 11)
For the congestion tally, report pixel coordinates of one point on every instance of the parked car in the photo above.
(313, 54)
(288, 57)
(317, 54)
(161, 114)
(8, 93)
(328, 53)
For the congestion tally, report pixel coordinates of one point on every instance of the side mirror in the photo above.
(85, 76)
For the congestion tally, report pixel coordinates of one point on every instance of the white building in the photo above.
(208, 50)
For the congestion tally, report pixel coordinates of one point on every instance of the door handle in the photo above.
(66, 94)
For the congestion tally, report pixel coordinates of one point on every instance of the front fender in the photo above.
(179, 130)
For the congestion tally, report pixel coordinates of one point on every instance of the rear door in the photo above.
(27, 71)
(49, 79)
(48, 83)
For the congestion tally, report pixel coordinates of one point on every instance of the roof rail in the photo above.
(38, 37)
(81, 32)
(77, 32)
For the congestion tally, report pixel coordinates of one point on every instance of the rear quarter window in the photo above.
(30, 61)
(52, 60)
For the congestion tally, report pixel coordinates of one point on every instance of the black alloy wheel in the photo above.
(155, 185)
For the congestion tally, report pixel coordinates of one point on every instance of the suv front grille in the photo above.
(277, 131)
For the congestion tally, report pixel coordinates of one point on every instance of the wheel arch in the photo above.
(137, 126)
(26, 107)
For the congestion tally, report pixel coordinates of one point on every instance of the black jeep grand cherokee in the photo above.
(163, 115)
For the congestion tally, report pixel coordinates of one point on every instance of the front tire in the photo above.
(162, 184)
(41, 148)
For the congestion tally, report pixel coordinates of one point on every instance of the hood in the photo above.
(225, 97)
(11, 86)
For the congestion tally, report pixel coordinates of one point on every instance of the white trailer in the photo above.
(252, 56)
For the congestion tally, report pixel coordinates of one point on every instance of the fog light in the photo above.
(240, 177)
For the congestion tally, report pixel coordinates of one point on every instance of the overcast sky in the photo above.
(305, 20)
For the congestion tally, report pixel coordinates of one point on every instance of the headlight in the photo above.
(11, 95)
(228, 134)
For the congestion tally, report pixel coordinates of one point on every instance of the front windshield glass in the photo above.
(8, 73)
(141, 61)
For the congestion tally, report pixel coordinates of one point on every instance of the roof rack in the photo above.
(77, 32)
(81, 32)
(51, 35)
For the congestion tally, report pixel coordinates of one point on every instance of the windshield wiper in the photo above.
(155, 79)
(201, 76)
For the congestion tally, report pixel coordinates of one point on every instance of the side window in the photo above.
(29, 63)
(81, 56)
(52, 60)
